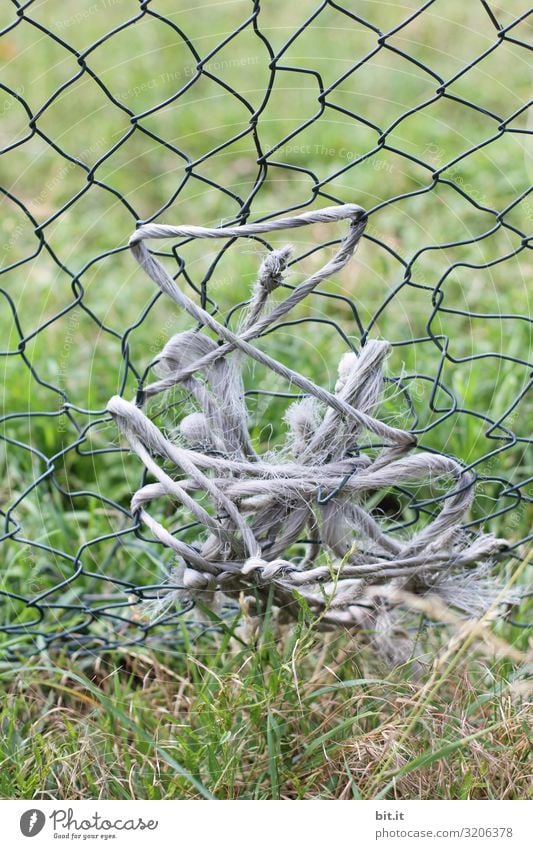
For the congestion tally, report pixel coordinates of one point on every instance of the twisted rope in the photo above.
(315, 485)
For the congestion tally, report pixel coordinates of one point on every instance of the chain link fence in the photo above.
(118, 113)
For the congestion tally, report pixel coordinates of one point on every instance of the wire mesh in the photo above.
(137, 112)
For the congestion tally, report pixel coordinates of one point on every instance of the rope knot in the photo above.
(271, 269)
(267, 569)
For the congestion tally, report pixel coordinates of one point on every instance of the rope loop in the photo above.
(255, 509)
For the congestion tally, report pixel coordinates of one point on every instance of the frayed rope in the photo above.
(315, 486)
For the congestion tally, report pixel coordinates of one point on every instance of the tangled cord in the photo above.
(315, 486)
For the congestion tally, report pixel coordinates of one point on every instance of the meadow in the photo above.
(90, 146)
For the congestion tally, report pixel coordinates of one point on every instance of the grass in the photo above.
(279, 713)
(292, 715)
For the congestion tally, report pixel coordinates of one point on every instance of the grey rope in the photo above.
(260, 506)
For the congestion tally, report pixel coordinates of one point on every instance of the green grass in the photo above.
(291, 715)
(294, 713)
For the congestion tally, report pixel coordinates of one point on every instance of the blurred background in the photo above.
(114, 113)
